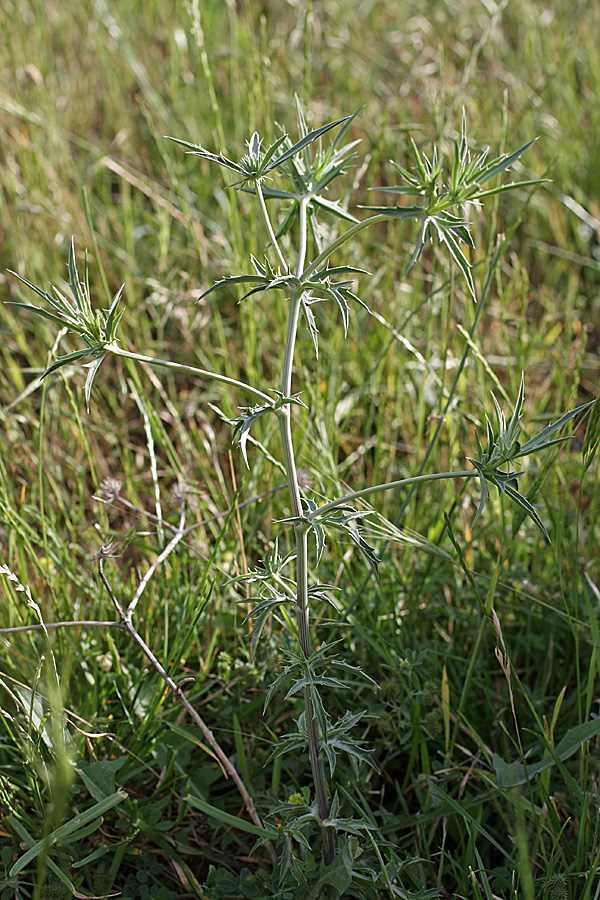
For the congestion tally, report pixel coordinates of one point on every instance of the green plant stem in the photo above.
(303, 238)
(300, 528)
(348, 498)
(193, 370)
(339, 242)
(272, 238)
(314, 744)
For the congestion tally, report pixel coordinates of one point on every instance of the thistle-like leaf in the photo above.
(416, 254)
(270, 193)
(591, 442)
(338, 739)
(404, 213)
(327, 273)
(304, 142)
(270, 153)
(511, 186)
(447, 237)
(260, 269)
(60, 303)
(349, 295)
(334, 208)
(232, 281)
(68, 359)
(252, 414)
(526, 506)
(504, 449)
(92, 368)
(484, 495)
(342, 305)
(112, 317)
(344, 518)
(502, 163)
(82, 301)
(317, 529)
(306, 303)
(42, 313)
(260, 615)
(282, 678)
(540, 441)
(199, 150)
(254, 145)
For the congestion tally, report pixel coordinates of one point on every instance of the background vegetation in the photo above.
(87, 93)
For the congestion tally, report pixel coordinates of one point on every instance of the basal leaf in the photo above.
(64, 832)
(228, 820)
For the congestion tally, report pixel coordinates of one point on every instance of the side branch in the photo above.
(339, 242)
(377, 488)
(192, 370)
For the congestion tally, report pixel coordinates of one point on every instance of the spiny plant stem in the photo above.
(312, 729)
(193, 370)
(303, 613)
(302, 608)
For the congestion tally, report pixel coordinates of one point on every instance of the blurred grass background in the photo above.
(88, 92)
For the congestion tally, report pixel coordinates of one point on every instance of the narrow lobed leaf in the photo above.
(304, 142)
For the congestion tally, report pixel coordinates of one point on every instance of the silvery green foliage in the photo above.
(441, 195)
(243, 424)
(257, 164)
(496, 464)
(97, 327)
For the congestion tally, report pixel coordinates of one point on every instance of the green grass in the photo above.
(87, 94)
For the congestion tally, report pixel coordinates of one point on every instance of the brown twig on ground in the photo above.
(125, 620)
